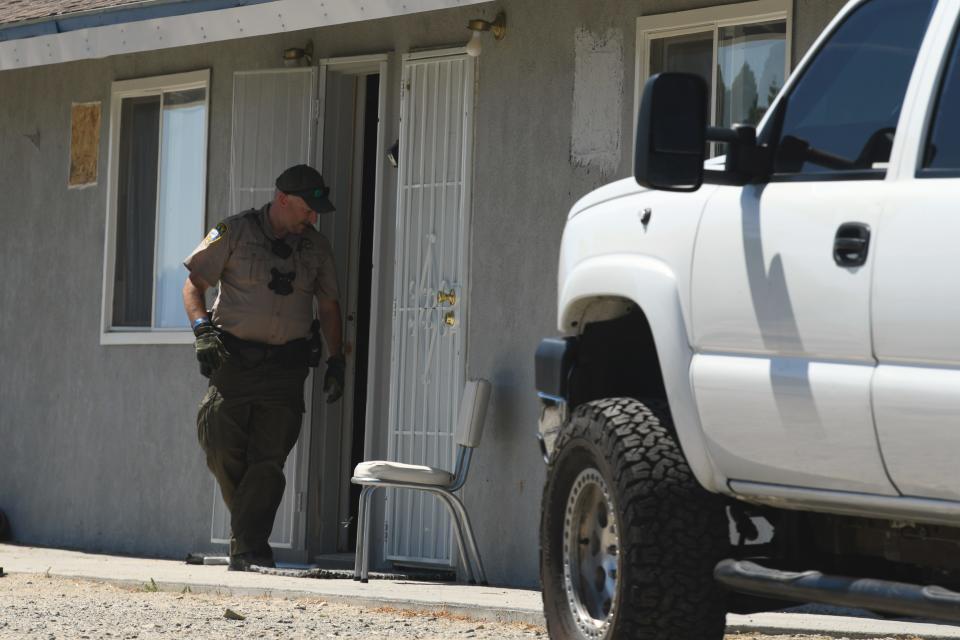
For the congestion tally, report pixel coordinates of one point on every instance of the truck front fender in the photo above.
(587, 294)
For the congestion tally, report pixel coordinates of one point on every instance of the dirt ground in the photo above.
(49, 608)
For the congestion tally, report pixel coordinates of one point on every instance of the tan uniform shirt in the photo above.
(237, 254)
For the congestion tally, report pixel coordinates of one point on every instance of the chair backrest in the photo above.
(473, 412)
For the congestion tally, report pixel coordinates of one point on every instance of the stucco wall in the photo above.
(527, 177)
(91, 438)
(97, 444)
(809, 19)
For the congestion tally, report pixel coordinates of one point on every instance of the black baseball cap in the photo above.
(306, 182)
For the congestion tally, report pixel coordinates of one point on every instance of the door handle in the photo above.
(450, 298)
(851, 244)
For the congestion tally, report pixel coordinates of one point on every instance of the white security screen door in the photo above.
(427, 359)
(274, 123)
(274, 119)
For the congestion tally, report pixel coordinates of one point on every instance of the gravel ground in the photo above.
(38, 607)
(53, 608)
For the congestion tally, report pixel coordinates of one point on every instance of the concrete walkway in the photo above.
(483, 603)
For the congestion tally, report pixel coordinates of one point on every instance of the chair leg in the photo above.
(471, 541)
(365, 572)
(361, 534)
(458, 531)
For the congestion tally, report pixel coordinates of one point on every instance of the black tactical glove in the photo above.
(210, 351)
(333, 378)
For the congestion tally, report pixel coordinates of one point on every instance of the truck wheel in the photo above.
(628, 537)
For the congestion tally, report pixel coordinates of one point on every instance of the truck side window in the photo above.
(840, 119)
(942, 155)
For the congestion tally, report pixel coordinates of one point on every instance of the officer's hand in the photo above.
(333, 378)
(210, 351)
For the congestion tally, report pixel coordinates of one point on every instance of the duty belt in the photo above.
(293, 353)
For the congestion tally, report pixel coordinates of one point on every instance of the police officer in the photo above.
(271, 263)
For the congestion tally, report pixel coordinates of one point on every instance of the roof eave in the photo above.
(132, 12)
(211, 25)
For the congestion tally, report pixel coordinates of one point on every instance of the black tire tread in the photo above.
(672, 531)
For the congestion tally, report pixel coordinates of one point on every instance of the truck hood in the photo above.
(614, 190)
(626, 187)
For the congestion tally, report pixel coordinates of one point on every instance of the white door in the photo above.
(427, 359)
(782, 272)
(916, 306)
(784, 357)
(274, 119)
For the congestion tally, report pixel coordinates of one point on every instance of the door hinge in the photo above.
(300, 501)
(316, 110)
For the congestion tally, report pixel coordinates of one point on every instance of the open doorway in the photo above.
(364, 292)
(351, 115)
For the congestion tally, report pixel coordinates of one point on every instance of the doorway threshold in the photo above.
(334, 561)
(339, 566)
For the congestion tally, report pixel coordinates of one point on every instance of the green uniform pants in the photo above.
(247, 424)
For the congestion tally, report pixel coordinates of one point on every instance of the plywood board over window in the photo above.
(84, 144)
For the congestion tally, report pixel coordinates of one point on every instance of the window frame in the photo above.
(679, 23)
(951, 49)
(773, 121)
(140, 87)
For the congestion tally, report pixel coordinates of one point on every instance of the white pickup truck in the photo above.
(758, 385)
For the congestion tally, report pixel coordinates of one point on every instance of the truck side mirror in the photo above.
(671, 132)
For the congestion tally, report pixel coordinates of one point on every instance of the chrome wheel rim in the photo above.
(591, 554)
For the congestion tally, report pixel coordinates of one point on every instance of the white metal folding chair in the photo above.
(374, 474)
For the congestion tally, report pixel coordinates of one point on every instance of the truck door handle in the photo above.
(851, 244)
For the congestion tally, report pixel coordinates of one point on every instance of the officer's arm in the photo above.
(328, 312)
(193, 300)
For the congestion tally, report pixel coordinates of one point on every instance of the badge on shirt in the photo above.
(215, 234)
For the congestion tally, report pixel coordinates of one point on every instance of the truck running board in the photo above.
(862, 593)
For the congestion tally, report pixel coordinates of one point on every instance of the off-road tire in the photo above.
(670, 531)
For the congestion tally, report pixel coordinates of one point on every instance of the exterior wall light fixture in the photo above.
(498, 28)
(295, 57)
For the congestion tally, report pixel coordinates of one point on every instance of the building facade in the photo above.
(126, 135)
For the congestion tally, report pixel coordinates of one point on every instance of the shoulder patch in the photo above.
(215, 234)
